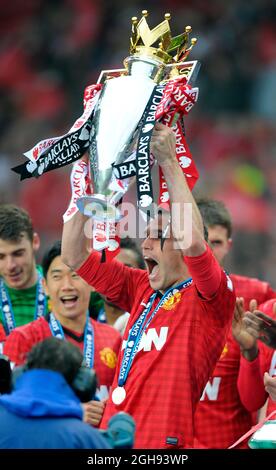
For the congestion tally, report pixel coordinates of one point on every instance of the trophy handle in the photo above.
(108, 74)
(189, 70)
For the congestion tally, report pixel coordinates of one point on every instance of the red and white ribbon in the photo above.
(178, 99)
(91, 95)
(80, 186)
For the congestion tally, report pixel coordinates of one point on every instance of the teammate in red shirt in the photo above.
(177, 325)
(69, 298)
(221, 417)
(261, 324)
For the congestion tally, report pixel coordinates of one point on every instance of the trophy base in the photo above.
(264, 438)
(97, 207)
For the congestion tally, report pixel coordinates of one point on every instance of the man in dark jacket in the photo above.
(43, 411)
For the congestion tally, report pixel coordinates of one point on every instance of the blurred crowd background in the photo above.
(50, 50)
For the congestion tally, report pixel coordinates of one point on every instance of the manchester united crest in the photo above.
(109, 357)
(171, 302)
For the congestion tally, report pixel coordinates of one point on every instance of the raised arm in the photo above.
(116, 282)
(163, 148)
(74, 242)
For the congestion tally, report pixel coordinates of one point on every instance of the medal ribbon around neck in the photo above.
(135, 336)
(6, 304)
(88, 348)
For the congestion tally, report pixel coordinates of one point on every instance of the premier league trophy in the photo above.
(124, 115)
(119, 115)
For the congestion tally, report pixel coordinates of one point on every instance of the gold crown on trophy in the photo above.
(170, 50)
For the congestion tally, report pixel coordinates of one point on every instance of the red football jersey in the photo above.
(252, 288)
(220, 417)
(2, 333)
(2, 338)
(107, 342)
(177, 352)
(271, 406)
(270, 354)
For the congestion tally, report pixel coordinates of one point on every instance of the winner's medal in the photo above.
(118, 395)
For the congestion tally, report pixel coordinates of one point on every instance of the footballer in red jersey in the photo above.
(107, 344)
(262, 325)
(180, 312)
(221, 416)
(69, 298)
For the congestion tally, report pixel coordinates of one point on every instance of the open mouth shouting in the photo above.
(69, 301)
(152, 267)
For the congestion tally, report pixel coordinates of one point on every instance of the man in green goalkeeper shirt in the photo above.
(22, 297)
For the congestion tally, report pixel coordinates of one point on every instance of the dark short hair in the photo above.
(52, 253)
(129, 244)
(214, 212)
(57, 355)
(14, 223)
